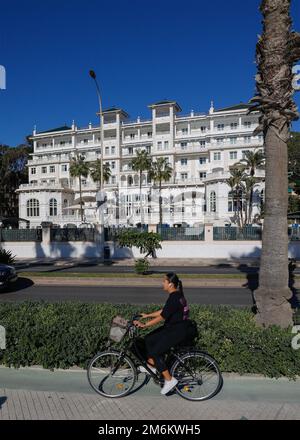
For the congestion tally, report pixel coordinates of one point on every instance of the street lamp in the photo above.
(101, 199)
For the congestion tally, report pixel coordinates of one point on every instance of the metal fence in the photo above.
(72, 234)
(111, 233)
(294, 232)
(181, 233)
(233, 233)
(20, 235)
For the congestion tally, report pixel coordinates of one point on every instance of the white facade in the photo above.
(200, 148)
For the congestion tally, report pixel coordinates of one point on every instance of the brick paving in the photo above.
(43, 405)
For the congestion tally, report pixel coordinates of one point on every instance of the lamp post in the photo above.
(102, 195)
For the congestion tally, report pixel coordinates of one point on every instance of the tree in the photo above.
(276, 52)
(294, 161)
(142, 162)
(147, 242)
(95, 171)
(160, 171)
(79, 168)
(252, 161)
(13, 173)
(235, 182)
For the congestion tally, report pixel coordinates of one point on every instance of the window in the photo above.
(33, 208)
(247, 139)
(202, 175)
(85, 141)
(83, 181)
(64, 167)
(260, 138)
(220, 127)
(44, 170)
(33, 170)
(234, 126)
(184, 131)
(132, 135)
(247, 124)
(53, 207)
(130, 150)
(113, 150)
(113, 179)
(233, 155)
(232, 141)
(62, 143)
(202, 143)
(166, 145)
(149, 134)
(202, 160)
(106, 150)
(113, 165)
(220, 141)
(203, 129)
(212, 201)
(244, 153)
(184, 176)
(183, 162)
(217, 156)
(52, 169)
(183, 145)
(159, 145)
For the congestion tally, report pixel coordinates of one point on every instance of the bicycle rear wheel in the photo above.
(198, 375)
(111, 375)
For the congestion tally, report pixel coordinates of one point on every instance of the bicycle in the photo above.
(113, 373)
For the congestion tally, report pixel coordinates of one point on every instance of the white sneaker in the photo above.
(143, 369)
(169, 385)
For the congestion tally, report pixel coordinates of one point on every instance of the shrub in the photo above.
(61, 335)
(6, 257)
(141, 265)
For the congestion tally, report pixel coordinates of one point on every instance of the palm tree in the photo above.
(142, 162)
(95, 172)
(160, 171)
(276, 52)
(79, 168)
(252, 161)
(235, 181)
(248, 186)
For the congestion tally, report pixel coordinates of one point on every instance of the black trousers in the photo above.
(160, 340)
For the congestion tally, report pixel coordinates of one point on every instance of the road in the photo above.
(127, 295)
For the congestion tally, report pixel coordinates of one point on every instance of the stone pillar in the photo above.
(208, 233)
(99, 240)
(152, 228)
(46, 235)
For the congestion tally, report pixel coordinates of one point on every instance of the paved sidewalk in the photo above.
(34, 394)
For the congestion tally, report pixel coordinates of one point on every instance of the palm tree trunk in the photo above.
(141, 204)
(273, 293)
(276, 53)
(80, 195)
(250, 206)
(160, 205)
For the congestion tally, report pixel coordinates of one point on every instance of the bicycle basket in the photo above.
(118, 329)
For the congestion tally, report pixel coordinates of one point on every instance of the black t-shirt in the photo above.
(176, 309)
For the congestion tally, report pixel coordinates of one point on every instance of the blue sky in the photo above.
(142, 51)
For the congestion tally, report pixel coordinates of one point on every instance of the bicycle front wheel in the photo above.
(111, 374)
(198, 375)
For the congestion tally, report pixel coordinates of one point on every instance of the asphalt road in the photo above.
(126, 295)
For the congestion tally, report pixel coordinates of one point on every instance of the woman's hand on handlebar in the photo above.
(138, 324)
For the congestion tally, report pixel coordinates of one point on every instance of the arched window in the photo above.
(33, 208)
(53, 207)
(212, 202)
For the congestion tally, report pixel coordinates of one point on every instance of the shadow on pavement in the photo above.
(21, 284)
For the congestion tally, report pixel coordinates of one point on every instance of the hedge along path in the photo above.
(64, 335)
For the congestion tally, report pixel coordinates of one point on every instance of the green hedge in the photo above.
(61, 335)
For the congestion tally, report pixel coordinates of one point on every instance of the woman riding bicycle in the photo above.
(176, 329)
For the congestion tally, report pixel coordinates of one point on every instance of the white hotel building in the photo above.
(200, 148)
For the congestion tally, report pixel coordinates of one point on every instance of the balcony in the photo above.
(44, 186)
(191, 149)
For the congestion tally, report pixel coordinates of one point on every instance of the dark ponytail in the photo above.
(173, 278)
